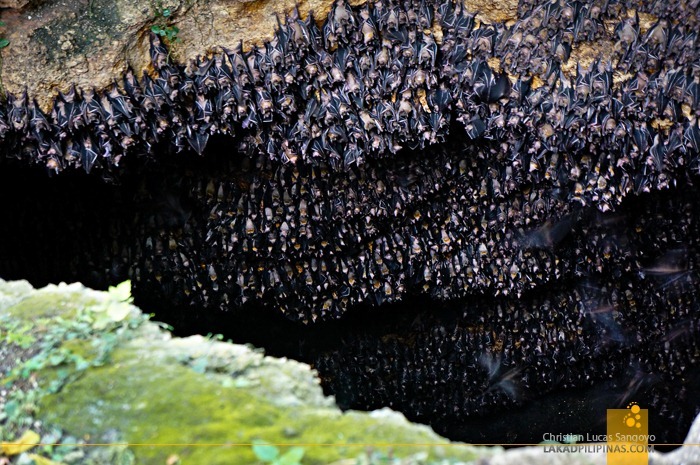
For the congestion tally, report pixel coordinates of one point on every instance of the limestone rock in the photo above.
(90, 43)
(15, 4)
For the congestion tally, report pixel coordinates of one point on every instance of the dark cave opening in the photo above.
(78, 227)
(64, 221)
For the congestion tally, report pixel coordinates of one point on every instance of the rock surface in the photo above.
(153, 388)
(90, 43)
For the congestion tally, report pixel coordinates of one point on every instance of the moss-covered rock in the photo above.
(115, 377)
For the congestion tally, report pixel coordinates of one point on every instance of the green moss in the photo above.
(147, 402)
(107, 375)
(51, 302)
(85, 349)
(13, 292)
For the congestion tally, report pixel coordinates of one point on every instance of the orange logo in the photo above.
(628, 436)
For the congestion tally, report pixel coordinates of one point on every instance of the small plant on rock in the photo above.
(3, 43)
(163, 26)
(270, 454)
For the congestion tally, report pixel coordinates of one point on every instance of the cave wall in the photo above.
(89, 43)
(518, 183)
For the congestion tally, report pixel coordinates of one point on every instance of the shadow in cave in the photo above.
(61, 228)
(76, 227)
(577, 410)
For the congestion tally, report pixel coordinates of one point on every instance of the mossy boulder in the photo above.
(114, 377)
